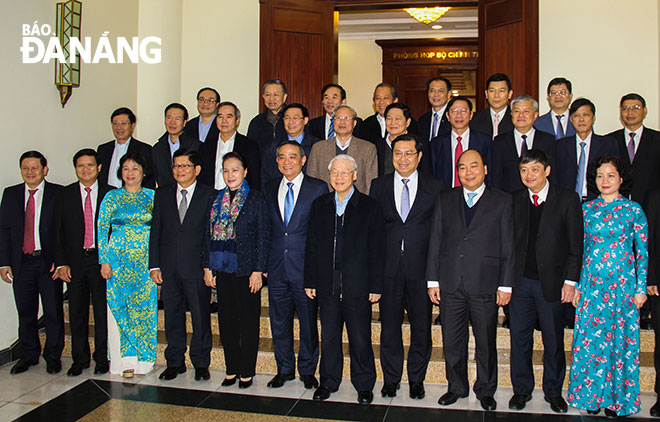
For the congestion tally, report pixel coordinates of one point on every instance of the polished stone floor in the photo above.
(38, 396)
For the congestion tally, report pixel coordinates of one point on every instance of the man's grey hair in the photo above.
(237, 112)
(522, 98)
(343, 157)
(353, 112)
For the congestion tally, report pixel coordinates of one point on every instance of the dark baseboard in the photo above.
(10, 354)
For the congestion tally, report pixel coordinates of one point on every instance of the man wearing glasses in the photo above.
(202, 127)
(556, 121)
(172, 140)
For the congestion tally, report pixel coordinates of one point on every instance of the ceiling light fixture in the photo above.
(427, 15)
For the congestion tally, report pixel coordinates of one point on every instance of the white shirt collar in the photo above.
(543, 194)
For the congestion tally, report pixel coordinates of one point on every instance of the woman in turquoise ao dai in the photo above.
(605, 364)
(123, 233)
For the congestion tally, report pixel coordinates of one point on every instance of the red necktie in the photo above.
(28, 233)
(89, 221)
(457, 153)
(536, 200)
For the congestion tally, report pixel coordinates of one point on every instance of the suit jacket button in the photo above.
(286, 234)
(461, 256)
(286, 251)
(465, 238)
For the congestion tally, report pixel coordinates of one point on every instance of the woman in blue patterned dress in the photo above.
(123, 233)
(605, 364)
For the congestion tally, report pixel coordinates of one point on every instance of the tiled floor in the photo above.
(36, 395)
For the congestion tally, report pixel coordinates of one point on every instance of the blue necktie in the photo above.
(523, 147)
(470, 200)
(582, 167)
(331, 129)
(560, 128)
(435, 126)
(405, 200)
(288, 204)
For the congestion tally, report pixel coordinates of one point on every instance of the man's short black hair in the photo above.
(404, 108)
(192, 155)
(180, 107)
(85, 152)
(33, 154)
(439, 79)
(534, 156)
(559, 81)
(123, 110)
(208, 88)
(499, 77)
(299, 106)
(451, 102)
(579, 103)
(328, 86)
(633, 96)
(419, 146)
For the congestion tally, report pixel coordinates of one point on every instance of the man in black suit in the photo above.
(397, 122)
(26, 262)
(652, 210)
(289, 201)
(267, 127)
(180, 217)
(295, 118)
(639, 147)
(407, 198)
(212, 151)
(508, 147)
(344, 269)
(446, 148)
(573, 154)
(123, 124)
(548, 246)
(496, 118)
(77, 261)
(174, 138)
(435, 123)
(373, 128)
(332, 96)
(203, 127)
(471, 267)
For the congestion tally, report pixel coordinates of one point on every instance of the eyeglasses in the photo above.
(343, 118)
(407, 154)
(175, 118)
(459, 111)
(635, 107)
(206, 100)
(560, 93)
(182, 166)
(121, 123)
(335, 173)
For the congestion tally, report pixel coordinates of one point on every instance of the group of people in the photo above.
(468, 211)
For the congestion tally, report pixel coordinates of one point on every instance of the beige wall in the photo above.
(360, 70)
(220, 48)
(606, 49)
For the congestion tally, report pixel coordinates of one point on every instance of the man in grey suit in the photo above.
(471, 268)
(364, 152)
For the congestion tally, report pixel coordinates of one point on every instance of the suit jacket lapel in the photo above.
(483, 206)
(273, 194)
(304, 187)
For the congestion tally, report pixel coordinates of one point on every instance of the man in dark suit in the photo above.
(407, 198)
(212, 151)
(332, 96)
(508, 147)
(556, 122)
(496, 118)
(373, 128)
(123, 124)
(435, 123)
(639, 147)
(180, 217)
(174, 138)
(652, 210)
(471, 267)
(397, 122)
(548, 246)
(267, 127)
(26, 262)
(344, 269)
(295, 118)
(447, 148)
(77, 261)
(574, 154)
(289, 201)
(203, 127)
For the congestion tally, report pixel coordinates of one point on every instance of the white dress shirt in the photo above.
(179, 196)
(381, 122)
(223, 148)
(284, 188)
(413, 182)
(517, 136)
(38, 200)
(119, 151)
(465, 144)
(94, 194)
(500, 115)
(345, 147)
(328, 118)
(440, 113)
(638, 136)
(587, 148)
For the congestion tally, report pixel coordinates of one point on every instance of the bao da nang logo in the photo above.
(41, 45)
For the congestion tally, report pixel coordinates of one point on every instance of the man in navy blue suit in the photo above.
(289, 201)
(556, 122)
(446, 148)
(574, 153)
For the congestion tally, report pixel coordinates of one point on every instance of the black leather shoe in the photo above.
(417, 390)
(389, 389)
(310, 381)
(102, 368)
(22, 366)
(506, 323)
(171, 372)
(438, 320)
(227, 382)
(449, 398)
(488, 403)
(655, 410)
(557, 404)
(518, 401)
(76, 369)
(645, 323)
(279, 380)
(610, 414)
(322, 393)
(365, 397)
(202, 374)
(245, 384)
(593, 412)
(53, 366)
